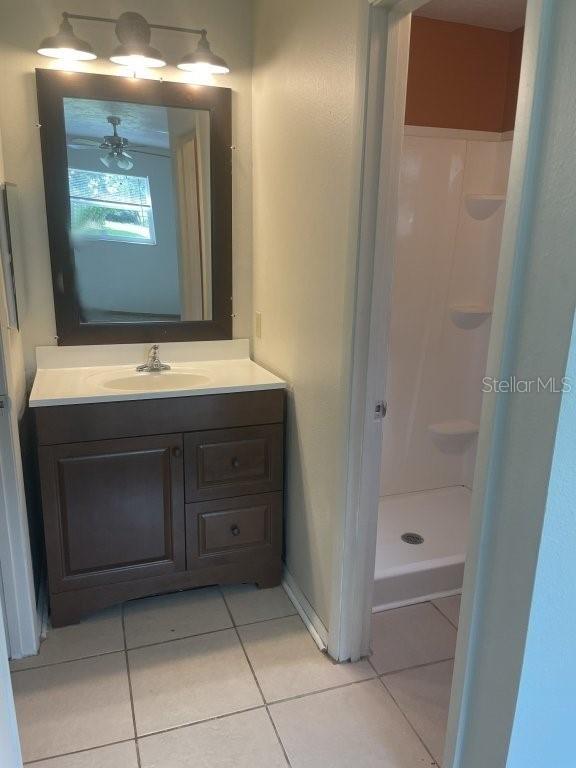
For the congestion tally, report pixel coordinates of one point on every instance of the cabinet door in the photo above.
(113, 510)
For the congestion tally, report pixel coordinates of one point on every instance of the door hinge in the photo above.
(381, 410)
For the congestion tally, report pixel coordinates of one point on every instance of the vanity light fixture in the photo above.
(134, 51)
(65, 45)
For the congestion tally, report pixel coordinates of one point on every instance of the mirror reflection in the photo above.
(139, 187)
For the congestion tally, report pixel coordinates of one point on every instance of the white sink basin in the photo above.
(154, 382)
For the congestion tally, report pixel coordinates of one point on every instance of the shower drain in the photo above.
(412, 538)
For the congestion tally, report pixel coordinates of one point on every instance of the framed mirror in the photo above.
(137, 177)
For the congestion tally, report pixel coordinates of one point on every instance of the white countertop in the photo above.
(68, 375)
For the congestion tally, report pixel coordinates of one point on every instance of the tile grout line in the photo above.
(78, 751)
(122, 614)
(415, 666)
(452, 624)
(409, 722)
(273, 724)
(194, 723)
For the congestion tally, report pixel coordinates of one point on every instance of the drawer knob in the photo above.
(177, 452)
(235, 531)
(235, 462)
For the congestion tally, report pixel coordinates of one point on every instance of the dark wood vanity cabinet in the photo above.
(150, 496)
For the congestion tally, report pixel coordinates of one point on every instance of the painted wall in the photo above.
(462, 76)
(15, 555)
(444, 258)
(546, 695)
(305, 210)
(22, 25)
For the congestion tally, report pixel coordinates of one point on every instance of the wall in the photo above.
(305, 204)
(546, 694)
(22, 25)
(15, 555)
(462, 76)
(444, 258)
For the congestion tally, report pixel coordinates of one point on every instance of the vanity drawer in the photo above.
(232, 462)
(233, 530)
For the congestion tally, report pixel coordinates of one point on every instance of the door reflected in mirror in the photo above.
(140, 211)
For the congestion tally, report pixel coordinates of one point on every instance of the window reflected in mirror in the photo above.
(140, 211)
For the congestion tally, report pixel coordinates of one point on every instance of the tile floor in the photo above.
(219, 678)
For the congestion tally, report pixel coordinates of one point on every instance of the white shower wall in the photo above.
(444, 258)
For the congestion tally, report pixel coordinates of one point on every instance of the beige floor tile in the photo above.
(77, 705)
(115, 756)
(357, 726)
(246, 740)
(423, 694)
(169, 617)
(450, 607)
(406, 637)
(249, 604)
(190, 680)
(100, 633)
(288, 663)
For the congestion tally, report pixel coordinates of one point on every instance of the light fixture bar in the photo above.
(105, 19)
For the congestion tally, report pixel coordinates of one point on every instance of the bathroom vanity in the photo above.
(161, 487)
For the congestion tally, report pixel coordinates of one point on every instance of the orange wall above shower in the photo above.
(462, 76)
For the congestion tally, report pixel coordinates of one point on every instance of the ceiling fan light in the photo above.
(203, 61)
(107, 160)
(124, 163)
(65, 45)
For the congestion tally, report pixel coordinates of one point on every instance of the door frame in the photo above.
(349, 636)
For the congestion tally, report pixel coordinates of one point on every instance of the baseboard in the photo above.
(308, 615)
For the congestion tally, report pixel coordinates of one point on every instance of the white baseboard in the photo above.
(308, 615)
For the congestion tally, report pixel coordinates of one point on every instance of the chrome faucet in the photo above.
(154, 364)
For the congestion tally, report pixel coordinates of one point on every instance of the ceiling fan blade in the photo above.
(84, 142)
(151, 154)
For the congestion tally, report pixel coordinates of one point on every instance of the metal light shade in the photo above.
(203, 61)
(65, 45)
(135, 50)
(137, 56)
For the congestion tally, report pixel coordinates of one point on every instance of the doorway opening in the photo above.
(462, 90)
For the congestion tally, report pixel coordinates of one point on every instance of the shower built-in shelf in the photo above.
(454, 428)
(481, 207)
(470, 315)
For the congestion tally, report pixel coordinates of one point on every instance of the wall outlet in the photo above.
(258, 325)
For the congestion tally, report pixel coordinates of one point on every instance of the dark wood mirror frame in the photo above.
(53, 86)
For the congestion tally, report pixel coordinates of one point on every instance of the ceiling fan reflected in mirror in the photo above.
(115, 155)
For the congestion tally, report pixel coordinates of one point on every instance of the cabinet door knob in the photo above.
(235, 462)
(235, 530)
(177, 452)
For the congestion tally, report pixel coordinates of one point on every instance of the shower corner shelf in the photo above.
(470, 315)
(481, 207)
(455, 428)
